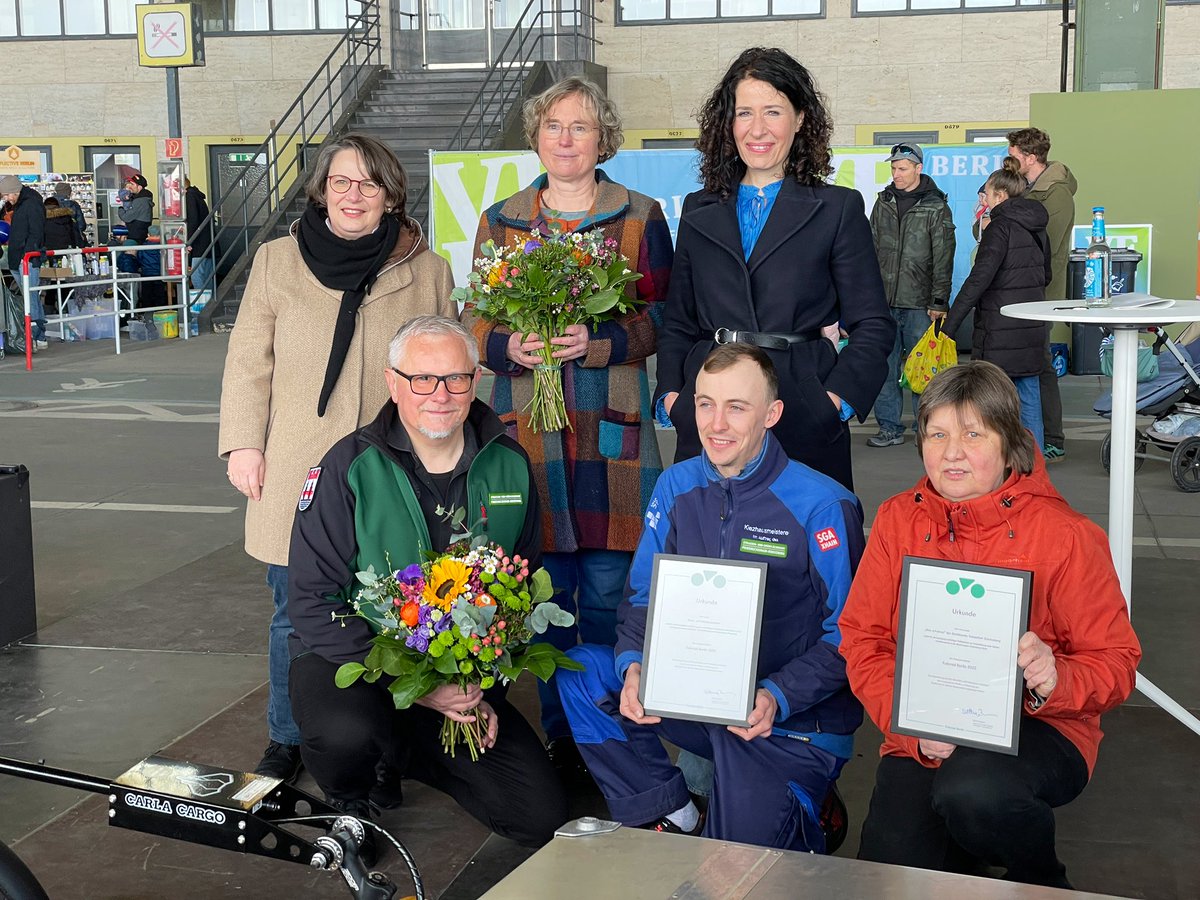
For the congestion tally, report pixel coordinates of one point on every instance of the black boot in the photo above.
(368, 850)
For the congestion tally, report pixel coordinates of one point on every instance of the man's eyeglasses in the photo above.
(904, 148)
(339, 184)
(578, 131)
(456, 382)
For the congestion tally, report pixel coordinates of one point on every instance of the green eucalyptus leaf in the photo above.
(348, 673)
(541, 587)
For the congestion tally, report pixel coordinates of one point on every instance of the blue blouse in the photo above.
(753, 206)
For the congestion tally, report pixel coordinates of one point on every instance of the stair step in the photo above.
(443, 75)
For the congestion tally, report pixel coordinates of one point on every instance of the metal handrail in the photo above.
(504, 79)
(320, 109)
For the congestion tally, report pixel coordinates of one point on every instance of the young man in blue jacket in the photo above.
(741, 499)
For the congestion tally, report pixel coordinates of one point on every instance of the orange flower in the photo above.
(410, 613)
(484, 599)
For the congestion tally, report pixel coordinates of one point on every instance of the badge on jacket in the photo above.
(827, 539)
(310, 488)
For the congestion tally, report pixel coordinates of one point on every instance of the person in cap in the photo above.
(913, 230)
(321, 305)
(138, 211)
(27, 232)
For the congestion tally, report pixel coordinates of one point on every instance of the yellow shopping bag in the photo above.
(934, 351)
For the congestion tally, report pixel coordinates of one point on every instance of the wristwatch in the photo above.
(1035, 699)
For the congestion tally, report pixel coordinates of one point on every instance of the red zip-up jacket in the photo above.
(1077, 607)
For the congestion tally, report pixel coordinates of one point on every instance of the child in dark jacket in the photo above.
(1012, 265)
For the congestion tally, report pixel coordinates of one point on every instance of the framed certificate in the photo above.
(700, 658)
(956, 653)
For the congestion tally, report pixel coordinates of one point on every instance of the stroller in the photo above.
(1173, 399)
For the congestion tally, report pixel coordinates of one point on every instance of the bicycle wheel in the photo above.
(16, 881)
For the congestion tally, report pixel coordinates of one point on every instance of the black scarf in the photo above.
(346, 266)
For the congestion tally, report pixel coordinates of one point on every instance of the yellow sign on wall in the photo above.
(15, 161)
(170, 34)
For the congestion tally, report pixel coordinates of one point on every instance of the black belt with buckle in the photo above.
(768, 340)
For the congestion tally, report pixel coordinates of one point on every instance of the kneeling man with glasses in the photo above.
(392, 490)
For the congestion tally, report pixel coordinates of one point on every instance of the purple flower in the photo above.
(530, 246)
(417, 641)
(410, 574)
(443, 624)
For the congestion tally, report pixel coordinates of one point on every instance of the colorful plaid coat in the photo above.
(595, 481)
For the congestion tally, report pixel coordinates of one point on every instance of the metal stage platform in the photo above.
(646, 865)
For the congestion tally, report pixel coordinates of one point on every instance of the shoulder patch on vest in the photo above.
(310, 488)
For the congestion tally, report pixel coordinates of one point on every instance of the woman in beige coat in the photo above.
(304, 366)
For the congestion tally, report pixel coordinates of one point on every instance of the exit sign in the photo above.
(243, 157)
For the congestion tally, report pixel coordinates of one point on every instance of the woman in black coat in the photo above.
(1012, 265)
(770, 254)
(62, 232)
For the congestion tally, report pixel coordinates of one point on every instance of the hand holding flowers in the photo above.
(550, 290)
(451, 628)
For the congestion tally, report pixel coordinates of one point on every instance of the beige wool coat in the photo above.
(276, 362)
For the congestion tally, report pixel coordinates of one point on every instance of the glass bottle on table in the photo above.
(1097, 275)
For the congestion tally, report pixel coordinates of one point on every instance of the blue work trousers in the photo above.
(590, 585)
(766, 791)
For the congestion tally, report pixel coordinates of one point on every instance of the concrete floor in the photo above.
(152, 638)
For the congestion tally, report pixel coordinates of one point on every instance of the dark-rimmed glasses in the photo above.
(340, 184)
(456, 382)
(904, 148)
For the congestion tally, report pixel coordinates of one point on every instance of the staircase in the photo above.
(415, 112)
(411, 112)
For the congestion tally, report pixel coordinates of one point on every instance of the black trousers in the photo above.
(512, 789)
(993, 807)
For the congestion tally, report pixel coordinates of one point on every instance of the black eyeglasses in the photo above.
(456, 382)
(904, 148)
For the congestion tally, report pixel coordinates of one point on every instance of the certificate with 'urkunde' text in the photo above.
(957, 678)
(700, 657)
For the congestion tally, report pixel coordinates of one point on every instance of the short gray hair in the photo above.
(605, 111)
(381, 163)
(431, 326)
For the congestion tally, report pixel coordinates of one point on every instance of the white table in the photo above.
(1124, 324)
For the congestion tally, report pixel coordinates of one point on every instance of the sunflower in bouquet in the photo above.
(465, 617)
(542, 285)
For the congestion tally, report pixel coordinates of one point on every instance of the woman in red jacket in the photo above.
(986, 500)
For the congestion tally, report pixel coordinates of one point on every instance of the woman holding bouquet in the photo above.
(769, 254)
(594, 477)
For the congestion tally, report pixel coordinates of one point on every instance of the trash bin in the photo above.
(18, 615)
(1085, 339)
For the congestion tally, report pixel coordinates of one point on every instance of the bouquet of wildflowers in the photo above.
(542, 285)
(463, 617)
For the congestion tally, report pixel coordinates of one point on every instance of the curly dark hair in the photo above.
(721, 168)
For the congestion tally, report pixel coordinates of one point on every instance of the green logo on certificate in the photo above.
(763, 548)
(504, 499)
(972, 587)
